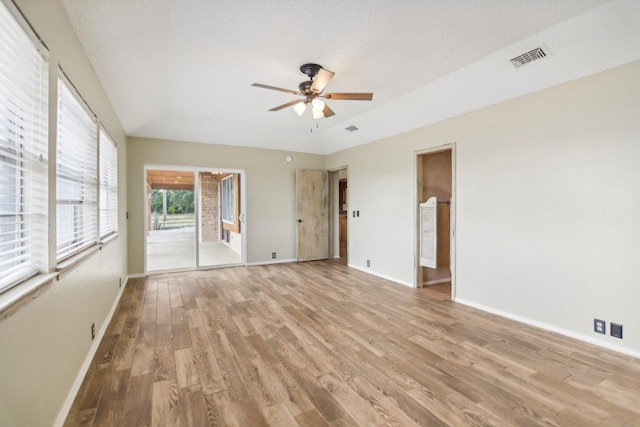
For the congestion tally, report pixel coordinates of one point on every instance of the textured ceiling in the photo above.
(182, 69)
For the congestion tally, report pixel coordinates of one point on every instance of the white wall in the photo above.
(270, 187)
(44, 344)
(548, 204)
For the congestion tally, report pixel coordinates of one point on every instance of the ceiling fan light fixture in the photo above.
(317, 107)
(317, 114)
(300, 107)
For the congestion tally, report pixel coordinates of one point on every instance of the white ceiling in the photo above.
(182, 69)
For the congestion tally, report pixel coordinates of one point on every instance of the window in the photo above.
(228, 200)
(23, 152)
(76, 174)
(231, 202)
(108, 185)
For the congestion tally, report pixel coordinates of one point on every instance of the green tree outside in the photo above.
(178, 201)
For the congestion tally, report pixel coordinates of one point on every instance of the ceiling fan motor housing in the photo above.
(305, 87)
(310, 70)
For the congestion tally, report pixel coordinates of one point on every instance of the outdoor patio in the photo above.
(175, 249)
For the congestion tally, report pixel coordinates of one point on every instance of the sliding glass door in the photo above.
(193, 219)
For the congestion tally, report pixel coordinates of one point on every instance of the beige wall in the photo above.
(44, 345)
(270, 191)
(547, 189)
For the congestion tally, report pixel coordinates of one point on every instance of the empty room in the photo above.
(319, 213)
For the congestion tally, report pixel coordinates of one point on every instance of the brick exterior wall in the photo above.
(209, 209)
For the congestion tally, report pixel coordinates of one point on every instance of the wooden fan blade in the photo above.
(288, 104)
(321, 80)
(276, 88)
(328, 112)
(349, 96)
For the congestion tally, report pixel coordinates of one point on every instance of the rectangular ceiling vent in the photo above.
(528, 57)
(351, 128)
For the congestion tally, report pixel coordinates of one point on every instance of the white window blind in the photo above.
(23, 151)
(76, 174)
(108, 185)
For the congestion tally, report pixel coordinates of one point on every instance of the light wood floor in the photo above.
(319, 344)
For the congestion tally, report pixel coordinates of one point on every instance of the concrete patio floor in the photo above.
(175, 249)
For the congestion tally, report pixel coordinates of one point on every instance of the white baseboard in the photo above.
(276, 261)
(66, 407)
(382, 276)
(552, 328)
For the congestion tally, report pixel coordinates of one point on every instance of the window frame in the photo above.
(24, 185)
(108, 182)
(234, 197)
(84, 232)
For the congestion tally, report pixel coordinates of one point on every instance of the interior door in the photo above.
(312, 201)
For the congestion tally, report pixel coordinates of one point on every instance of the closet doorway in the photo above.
(436, 179)
(339, 213)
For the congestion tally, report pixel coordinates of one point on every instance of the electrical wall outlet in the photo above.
(93, 331)
(368, 263)
(120, 283)
(273, 255)
(616, 330)
(599, 326)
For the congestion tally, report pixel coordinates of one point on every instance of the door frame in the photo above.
(196, 195)
(417, 179)
(334, 218)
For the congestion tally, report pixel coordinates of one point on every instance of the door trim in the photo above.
(334, 213)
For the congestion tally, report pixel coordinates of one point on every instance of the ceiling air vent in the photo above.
(351, 128)
(530, 56)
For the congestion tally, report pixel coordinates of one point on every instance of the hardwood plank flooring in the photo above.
(319, 344)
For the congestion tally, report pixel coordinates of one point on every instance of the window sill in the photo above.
(20, 295)
(108, 239)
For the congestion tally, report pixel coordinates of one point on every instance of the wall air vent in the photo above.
(351, 128)
(525, 58)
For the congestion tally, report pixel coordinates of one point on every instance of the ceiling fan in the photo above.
(312, 90)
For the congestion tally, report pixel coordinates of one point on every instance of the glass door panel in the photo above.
(219, 230)
(170, 220)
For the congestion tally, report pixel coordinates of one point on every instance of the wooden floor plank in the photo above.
(186, 369)
(320, 344)
(279, 415)
(137, 407)
(165, 409)
(193, 406)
